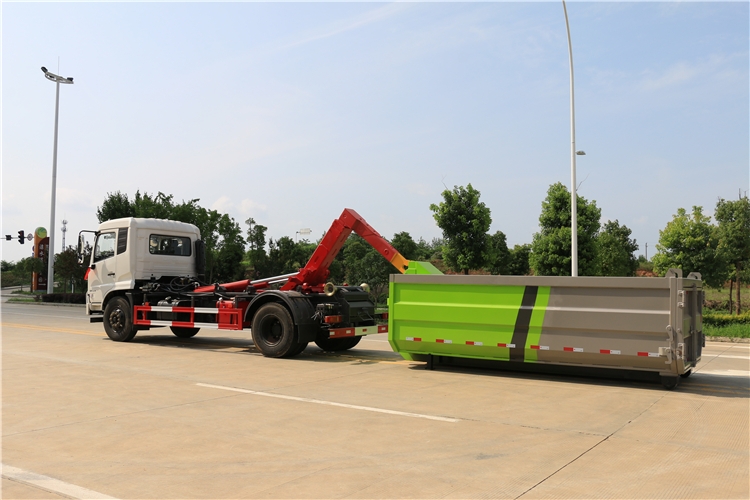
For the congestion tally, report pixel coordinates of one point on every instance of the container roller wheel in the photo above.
(670, 383)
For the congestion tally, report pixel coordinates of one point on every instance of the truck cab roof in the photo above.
(154, 224)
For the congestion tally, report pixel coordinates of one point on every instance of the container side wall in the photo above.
(596, 322)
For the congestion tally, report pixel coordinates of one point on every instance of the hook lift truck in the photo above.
(145, 273)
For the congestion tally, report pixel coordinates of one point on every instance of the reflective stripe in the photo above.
(357, 331)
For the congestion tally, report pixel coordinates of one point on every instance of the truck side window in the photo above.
(105, 246)
(159, 244)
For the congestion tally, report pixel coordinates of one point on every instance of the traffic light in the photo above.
(21, 237)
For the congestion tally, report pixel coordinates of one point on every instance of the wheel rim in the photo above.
(271, 331)
(117, 320)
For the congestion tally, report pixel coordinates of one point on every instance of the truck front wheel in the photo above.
(273, 331)
(118, 320)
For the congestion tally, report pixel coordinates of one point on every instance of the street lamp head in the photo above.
(56, 78)
(581, 153)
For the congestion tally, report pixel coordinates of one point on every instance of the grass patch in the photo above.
(735, 331)
(23, 299)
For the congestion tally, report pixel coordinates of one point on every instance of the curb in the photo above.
(53, 304)
(733, 340)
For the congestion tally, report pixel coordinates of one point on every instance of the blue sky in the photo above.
(289, 112)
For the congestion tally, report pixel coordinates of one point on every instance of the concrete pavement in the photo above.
(162, 417)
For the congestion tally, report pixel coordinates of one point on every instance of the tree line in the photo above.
(720, 252)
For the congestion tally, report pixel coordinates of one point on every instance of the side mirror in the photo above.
(81, 246)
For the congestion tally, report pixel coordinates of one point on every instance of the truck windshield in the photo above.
(105, 246)
(169, 245)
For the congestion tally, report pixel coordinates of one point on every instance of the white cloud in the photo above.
(683, 72)
(223, 204)
(368, 17)
(245, 208)
(249, 207)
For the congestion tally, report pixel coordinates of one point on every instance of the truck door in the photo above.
(103, 267)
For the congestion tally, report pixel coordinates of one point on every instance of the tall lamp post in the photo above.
(51, 252)
(573, 153)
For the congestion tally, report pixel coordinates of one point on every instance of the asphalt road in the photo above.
(209, 417)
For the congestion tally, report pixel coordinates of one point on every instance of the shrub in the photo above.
(65, 298)
(716, 319)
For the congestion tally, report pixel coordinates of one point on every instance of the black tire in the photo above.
(301, 346)
(118, 320)
(686, 374)
(183, 332)
(340, 344)
(670, 383)
(273, 331)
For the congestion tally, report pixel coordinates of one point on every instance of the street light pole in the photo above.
(51, 251)
(573, 195)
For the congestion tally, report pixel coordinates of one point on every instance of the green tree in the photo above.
(30, 265)
(256, 257)
(734, 238)
(498, 255)
(116, 206)
(616, 250)
(551, 247)
(405, 244)
(689, 242)
(68, 270)
(518, 264)
(364, 264)
(464, 221)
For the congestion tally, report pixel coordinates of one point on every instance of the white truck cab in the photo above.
(131, 251)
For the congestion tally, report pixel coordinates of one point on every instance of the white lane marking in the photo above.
(375, 340)
(50, 484)
(726, 373)
(722, 356)
(331, 403)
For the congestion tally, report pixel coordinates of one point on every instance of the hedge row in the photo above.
(718, 319)
(66, 298)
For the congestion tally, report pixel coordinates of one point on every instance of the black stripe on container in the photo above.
(521, 330)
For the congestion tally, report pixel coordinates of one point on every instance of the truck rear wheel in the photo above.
(118, 320)
(273, 331)
(341, 344)
(183, 332)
